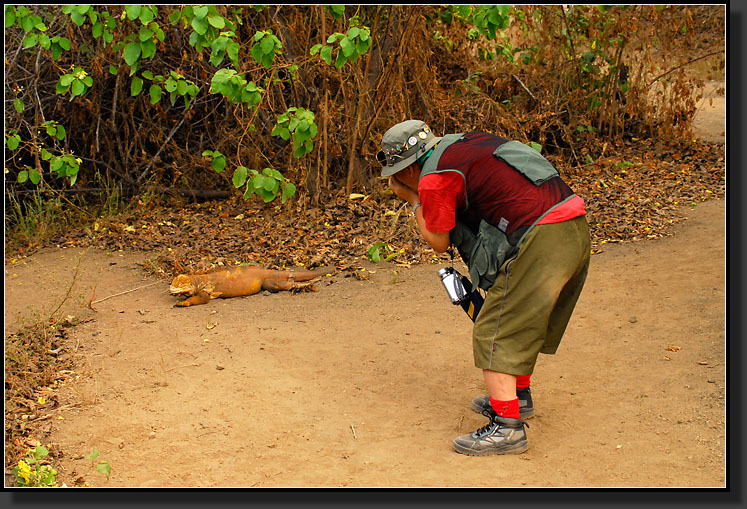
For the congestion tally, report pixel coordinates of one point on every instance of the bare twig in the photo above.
(123, 293)
(718, 52)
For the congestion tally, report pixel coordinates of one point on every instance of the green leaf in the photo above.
(155, 94)
(34, 176)
(146, 16)
(60, 132)
(256, 53)
(18, 105)
(44, 41)
(217, 21)
(535, 146)
(200, 25)
(133, 11)
(64, 43)
(23, 176)
(148, 75)
(200, 11)
(78, 88)
(288, 191)
(267, 45)
(326, 54)
(136, 86)
(267, 60)
(170, 85)
(148, 48)
(88, 81)
(94, 452)
(112, 69)
(232, 50)
(77, 18)
(219, 162)
(181, 87)
(66, 79)
(271, 185)
(362, 46)
(353, 32)
(132, 53)
(10, 17)
(30, 41)
(145, 34)
(97, 30)
(341, 60)
(315, 49)
(239, 176)
(104, 468)
(13, 141)
(258, 181)
(347, 48)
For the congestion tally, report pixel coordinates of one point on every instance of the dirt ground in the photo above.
(366, 382)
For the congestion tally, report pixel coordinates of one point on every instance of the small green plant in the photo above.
(266, 46)
(299, 124)
(376, 251)
(34, 471)
(235, 88)
(219, 160)
(77, 82)
(103, 467)
(351, 45)
(267, 184)
(176, 85)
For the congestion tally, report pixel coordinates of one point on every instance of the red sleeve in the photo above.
(440, 196)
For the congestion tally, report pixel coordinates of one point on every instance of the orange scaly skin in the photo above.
(237, 282)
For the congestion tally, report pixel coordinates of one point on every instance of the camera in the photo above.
(460, 291)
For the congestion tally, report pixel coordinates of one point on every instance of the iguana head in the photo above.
(182, 284)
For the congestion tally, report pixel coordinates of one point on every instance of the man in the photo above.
(524, 236)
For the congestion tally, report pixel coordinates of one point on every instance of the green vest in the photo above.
(486, 250)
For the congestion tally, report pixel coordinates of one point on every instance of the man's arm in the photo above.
(440, 242)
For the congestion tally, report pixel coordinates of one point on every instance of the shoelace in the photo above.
(490, 426)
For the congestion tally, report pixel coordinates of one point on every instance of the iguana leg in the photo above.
(195, 300)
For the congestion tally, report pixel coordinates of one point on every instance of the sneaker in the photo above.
(501, 435)
(526, 407)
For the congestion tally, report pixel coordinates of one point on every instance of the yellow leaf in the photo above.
(129, 228)
(211, 325)
(41, 400)
(357, 196)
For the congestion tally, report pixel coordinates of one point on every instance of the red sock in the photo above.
(522, 381)
(506, 408)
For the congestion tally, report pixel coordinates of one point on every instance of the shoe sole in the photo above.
(525, 414)
(518, 449)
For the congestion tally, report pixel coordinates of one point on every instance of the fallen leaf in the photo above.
(674, 348)
(665, 358)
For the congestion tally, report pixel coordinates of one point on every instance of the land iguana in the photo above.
(237, 282)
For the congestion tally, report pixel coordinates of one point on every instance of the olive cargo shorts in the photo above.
(528, 308)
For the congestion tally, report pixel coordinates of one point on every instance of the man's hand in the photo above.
(402, 190)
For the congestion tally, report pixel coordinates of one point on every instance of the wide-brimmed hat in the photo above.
(402, 144)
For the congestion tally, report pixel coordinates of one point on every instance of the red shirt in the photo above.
(442, 194)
